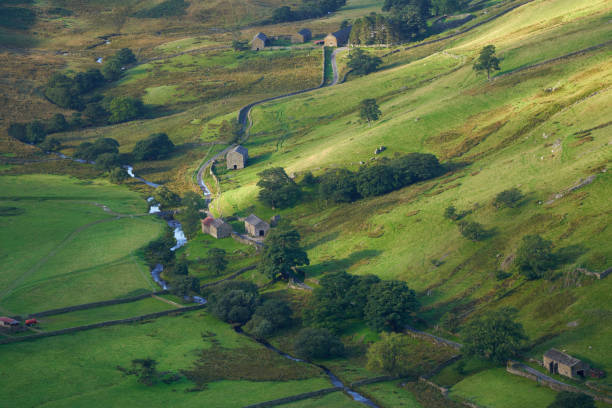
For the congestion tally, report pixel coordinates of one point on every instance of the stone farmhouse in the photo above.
(339, 38)
(260, 41)
(557, 362)
(255, 226)
(237, 158)
(302, 36)
(216, 227)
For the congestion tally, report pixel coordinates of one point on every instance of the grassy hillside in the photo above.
(542, 130)
(65, 249)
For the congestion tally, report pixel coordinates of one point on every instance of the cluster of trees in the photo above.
(67, 92)
(277, 189)
(343, 185)
(282, 253)
(385, 305)
(16, 17)
(155, 147)
(309, 9)
(374, 29)
(190, 214)
(105, 153)
(362, 63)
(35, 132)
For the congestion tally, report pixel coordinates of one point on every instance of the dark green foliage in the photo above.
(339, 186)
(272, 315)
(156, 146)
(374, 29)
(33, 132)
(166, 197)
(87, 81)
(339, 297)
(158, 251)
(107, 161)
(145, 370)
(309, 179)
(534, 256)
(124, 108)
(230, 130)
(17, 130)
(391, 355)
(168, 8)
(415, 167)
(362, 63)
(216, 260)
(376, 180)
(95, 113)
(112, 69)
(450, 321)
(487, 61)
(567, 399)
(282, 253)
(91, 151)
(390, 306)
(234, 301)
(472, 230)
(10, 211)
(193, 200)
(494, 336)
(310, 9)
(238, 45)
(125, 56)
(369, 110)
(409, 17)
(441, 7)
(317, 343)
(17, 18)
(50, 144)
(185, 285)
(59, 11)
(57, 123)
(450, 212)
(508, 198)
(190, 214)
(276, 188)
(117, 175)
(65, 91)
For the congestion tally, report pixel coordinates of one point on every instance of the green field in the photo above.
(66, 250)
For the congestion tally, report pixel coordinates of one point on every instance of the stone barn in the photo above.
(339, 38)
(260, 41)
(8, 322)
(302, 36)
(255, 226)
(557, 362)
(216, 227)
(237, 158)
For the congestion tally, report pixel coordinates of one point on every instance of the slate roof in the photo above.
(217, 223)
(253, 220)
(304, 31)
(261, 36)
(561, 357)
(239, 149)
(343, 35)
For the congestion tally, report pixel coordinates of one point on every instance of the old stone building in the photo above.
(237, 158)
(260, 41)
(255, 227)
(302, 36)
(339, 38)
(557, 362)
(216, 227)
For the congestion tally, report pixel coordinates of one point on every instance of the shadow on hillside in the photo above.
(569, 254)
(323, 240)
(336, 265)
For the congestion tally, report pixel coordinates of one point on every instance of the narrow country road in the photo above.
(243, 119)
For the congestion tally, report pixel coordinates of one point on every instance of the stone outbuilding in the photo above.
(216, 227)
(8, 322)
(260, 41)
(557, 362)
(302, 36)
(237, 158)
(255, 227)
(339, 38)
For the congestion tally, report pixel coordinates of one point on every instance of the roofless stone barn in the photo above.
(260, 41)
(237, 158)
(255, 227)
(557, 362)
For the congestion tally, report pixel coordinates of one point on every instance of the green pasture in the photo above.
(390, 394)
(65, 250)
(333, 400)
(80, 369)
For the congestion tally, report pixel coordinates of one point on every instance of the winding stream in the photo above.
(336, 382)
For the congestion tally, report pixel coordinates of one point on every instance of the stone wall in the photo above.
(293, 398)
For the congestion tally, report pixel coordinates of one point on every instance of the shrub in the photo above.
(35, 132)
(156, 146)
(567, 399)
(534, 256)
(17, 18)
(472, 230)
(272, 315)
(508, 198)
(450, 212)
(184, 285)
(317, 343)
(91, 151)
(362, 63)
(124, 108)
(17, 130)
(50, 144)
(107, 161)
(390, 306)
(166, 197)
(234, 301)
(118, 175)
(57, 123)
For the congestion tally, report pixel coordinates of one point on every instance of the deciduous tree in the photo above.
(282, 253)
(487, 61)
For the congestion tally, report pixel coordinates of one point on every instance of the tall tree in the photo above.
(566, 399)
(362, 63)
(216, 260)
(487, 61)
(369, 110)
(390, 306)
(534, 256)
(494, 336)
(278, 190)
(282, 253)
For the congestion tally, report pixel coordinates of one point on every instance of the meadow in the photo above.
(61, 220)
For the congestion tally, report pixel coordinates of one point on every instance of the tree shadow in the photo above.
(569, 254)
(336, 265)
(323, 240)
